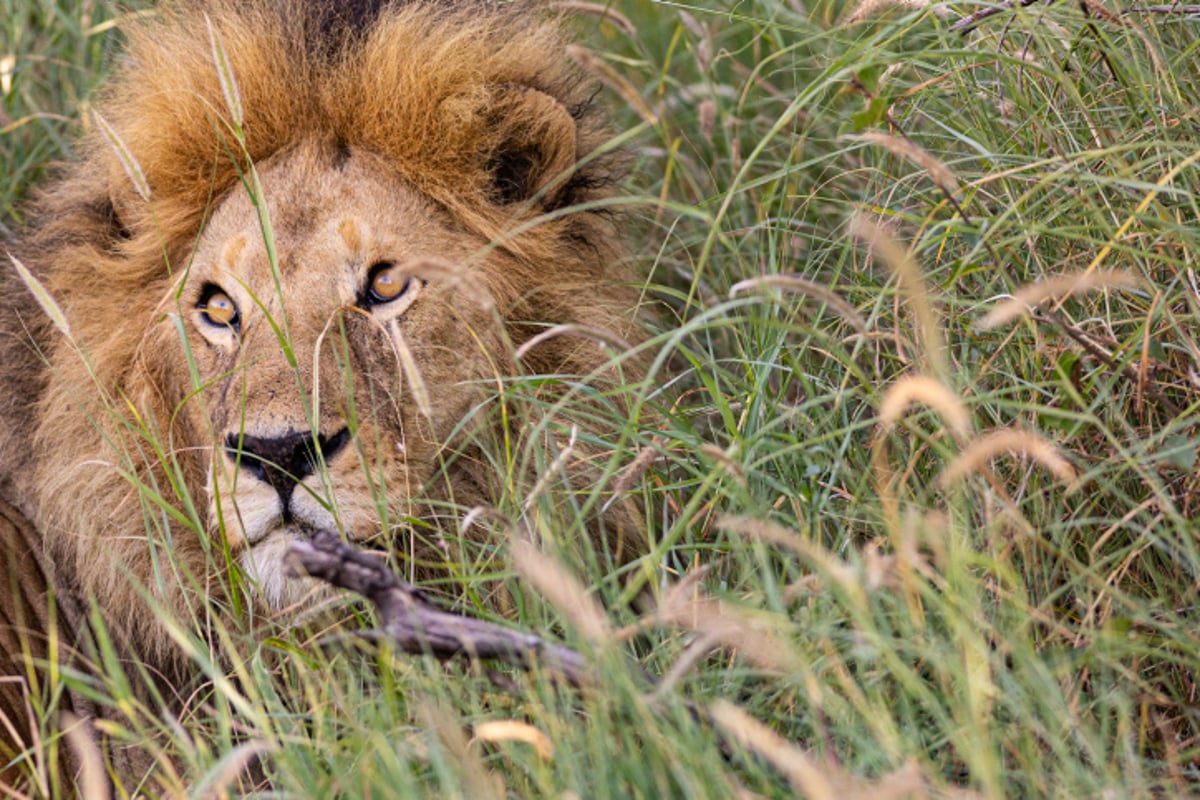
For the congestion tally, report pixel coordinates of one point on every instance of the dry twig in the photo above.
(969, 22)
(409, 620)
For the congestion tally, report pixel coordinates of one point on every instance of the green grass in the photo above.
(1011, 633)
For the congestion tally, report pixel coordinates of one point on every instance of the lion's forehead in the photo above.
(327, 218)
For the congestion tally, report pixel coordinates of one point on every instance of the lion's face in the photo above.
(249, 353)
(334, 365)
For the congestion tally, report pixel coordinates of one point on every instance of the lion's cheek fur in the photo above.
(113, 453)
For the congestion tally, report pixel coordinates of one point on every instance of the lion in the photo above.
(300, 248)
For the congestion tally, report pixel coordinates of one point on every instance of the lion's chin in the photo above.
(264, 565)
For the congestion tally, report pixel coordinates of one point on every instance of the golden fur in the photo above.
(452, 143)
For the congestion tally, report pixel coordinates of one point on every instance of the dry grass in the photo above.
(1034, 294)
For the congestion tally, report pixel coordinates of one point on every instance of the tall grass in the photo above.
(899, 547)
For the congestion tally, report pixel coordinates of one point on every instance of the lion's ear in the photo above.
(538, 151)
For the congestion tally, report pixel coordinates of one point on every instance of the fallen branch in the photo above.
(410, 621)
(974, 18)
(968, 22)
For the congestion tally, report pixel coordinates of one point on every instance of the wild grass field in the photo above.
(917, 448)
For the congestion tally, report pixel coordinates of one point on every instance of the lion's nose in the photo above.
(283, 461)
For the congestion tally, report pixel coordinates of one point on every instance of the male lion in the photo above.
(300, 247)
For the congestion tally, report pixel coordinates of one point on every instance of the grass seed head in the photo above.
(902, 146)
(564, 591)
(1035, 294)
(925, 390)
(1025, 443)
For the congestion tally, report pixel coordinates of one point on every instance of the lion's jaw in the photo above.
(310, 371)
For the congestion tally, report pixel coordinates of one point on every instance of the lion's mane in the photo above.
(89, 419)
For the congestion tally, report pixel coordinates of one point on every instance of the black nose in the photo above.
(283, 461)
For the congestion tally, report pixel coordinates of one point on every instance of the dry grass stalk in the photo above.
(892, 570)
(867, 8)
(813, 778)
(602, 337)
(707, 115)
(43, 297)
(613, 79)
(751, 635)
(477, 780)
(877, 571)
(912, 284)
(679, 593)
(1143, 370)
(1071, 283)
(723, 458)
(695, 652)
(771, 533)
(416, 384)
(552, 472)
(801, 285)
(636, 469)
(233, 766)
(448, 277)
(931, 393)
(563, 590)
(832, 567)
(688, 586)
(902, 146)
(802, 771)
(703, 41)
(481, 514)
(1025, 443)
(33, 745)
(603, 10)
(748, 634)
(7, 65)
(128, 163)
(508, 730)
(229, 87)
(93, 780)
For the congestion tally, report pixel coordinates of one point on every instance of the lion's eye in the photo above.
(218, 308)
(386, 282)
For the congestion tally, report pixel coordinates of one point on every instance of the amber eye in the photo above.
(218, 308)
(386, 282)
